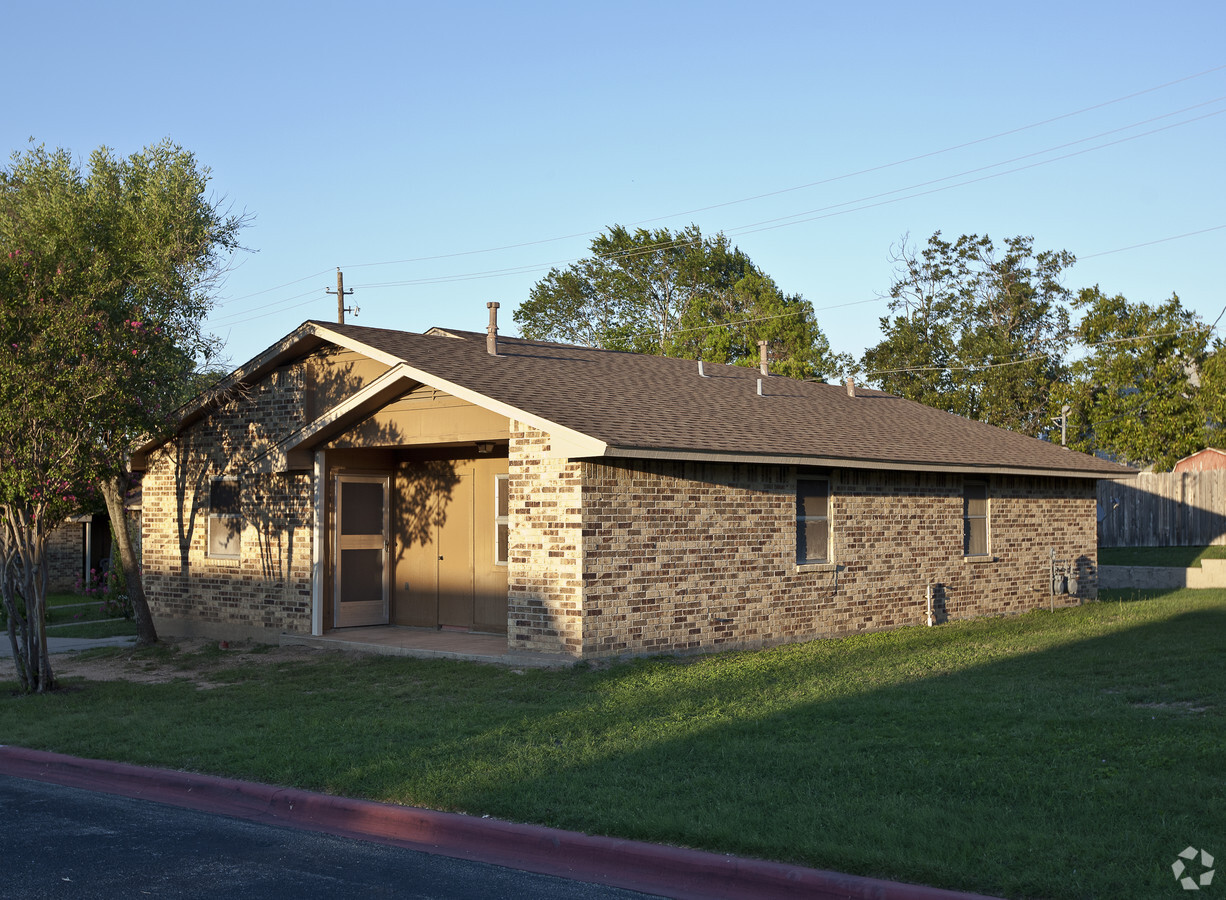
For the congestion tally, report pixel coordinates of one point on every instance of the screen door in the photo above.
(361, 569)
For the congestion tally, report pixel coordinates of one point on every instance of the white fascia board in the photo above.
(566, 443)
(357, 346)
(838, 462)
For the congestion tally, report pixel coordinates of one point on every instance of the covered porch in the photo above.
(410, 508)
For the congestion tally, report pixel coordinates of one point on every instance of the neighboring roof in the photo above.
(605, 403)
(610, 403)
(1206, 454)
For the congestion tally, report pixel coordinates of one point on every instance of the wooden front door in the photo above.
(436, 584)
(360, 585)
(455, 557)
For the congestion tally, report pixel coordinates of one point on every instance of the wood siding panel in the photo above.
(1163, 509)
(426, 416)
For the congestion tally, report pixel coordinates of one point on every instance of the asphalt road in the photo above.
(61, 842)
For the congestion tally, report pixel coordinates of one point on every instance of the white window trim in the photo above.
(502, 484)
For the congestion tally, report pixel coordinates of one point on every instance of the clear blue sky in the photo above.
(365, 133)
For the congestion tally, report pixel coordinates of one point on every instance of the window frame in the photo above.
(803, 520)
(502, 485)
(217, 517)
(969, 520)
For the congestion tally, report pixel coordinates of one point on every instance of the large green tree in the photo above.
(677, 294)
(1148, 389)
(976, 330)
(120, 257)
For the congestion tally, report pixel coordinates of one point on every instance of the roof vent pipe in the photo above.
(759, 387)
(701, 373)
(491, 333)
(851, 386)
(762, 359)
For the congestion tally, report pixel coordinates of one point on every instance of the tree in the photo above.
(976, 332)
(1147, 389)
(45, 455)
(118, 262)
(677, 294)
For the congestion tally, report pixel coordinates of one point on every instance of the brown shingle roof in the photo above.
(648, 405)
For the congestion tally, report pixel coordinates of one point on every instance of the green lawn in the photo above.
(1178, 557)
(82, 609)
(54, 600)
(1067, 755)
(99, 628)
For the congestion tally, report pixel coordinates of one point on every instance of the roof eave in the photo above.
(853, 463)
(300, 341)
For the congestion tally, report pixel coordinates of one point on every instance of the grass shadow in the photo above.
(1064, 754)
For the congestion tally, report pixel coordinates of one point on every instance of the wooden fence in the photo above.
(1167, 509)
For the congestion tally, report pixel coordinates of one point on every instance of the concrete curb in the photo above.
(650, 868)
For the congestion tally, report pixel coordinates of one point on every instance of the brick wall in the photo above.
(618, 557)
(701, 556)
(65, 556)
(544, 568)
(267, 589)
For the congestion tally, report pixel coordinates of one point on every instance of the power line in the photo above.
(1019, 362)
(818, 183)
(271, 289)
(1016, 362)
(239, 315)
(1174, 237)
(826, 212)
(832, 210)
(770, 227)
(314, 299)
(932, 153)
(1006, 162)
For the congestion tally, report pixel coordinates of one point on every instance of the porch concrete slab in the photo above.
(427, 643)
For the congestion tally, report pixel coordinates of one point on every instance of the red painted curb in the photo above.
(650, 868)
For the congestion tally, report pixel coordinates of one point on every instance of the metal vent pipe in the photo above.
(491, 332)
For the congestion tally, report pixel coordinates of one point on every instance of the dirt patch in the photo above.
(193, 660)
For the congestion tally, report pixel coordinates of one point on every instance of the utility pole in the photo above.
(340, 292)
(1063, 420)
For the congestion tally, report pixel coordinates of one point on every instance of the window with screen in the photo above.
(225, 526)
(975, 518)
(812, 520)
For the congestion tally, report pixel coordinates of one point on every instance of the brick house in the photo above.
(589, 503)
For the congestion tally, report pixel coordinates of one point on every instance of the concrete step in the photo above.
(1163, 577)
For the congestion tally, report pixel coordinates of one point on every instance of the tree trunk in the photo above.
(25, 575)
(114, 489)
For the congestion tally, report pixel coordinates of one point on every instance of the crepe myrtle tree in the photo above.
(119, 259)
(48, 467)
